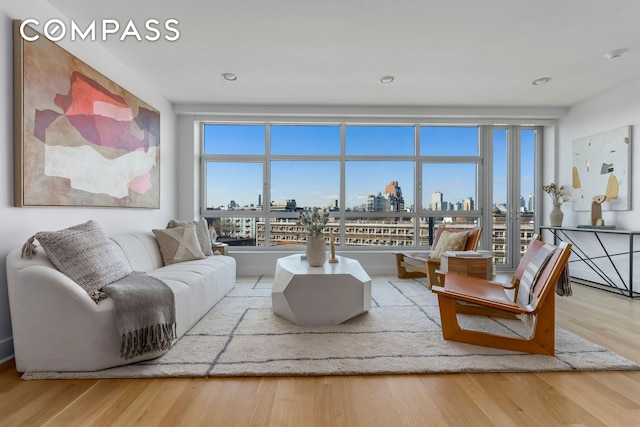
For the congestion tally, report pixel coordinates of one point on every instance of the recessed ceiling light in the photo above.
(229, 76)
(541, 81)
(615, 53)
(387, 79)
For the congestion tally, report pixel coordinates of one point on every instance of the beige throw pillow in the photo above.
(449, 241)
(85, 254)
(202, 231)
(437, 236)
(179, 244)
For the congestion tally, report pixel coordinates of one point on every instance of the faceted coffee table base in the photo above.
(326, 295)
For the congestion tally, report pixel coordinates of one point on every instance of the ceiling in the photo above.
(456, 53)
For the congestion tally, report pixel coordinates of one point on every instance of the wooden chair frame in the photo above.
(423, 265)
(459, 289)
(464, 308)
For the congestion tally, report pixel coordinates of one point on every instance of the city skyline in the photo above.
(316, 181)
(466, 204)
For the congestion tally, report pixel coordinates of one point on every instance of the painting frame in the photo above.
(602, 168)
(80, 139)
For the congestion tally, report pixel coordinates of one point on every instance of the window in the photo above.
(513, 164)
(234, 139)
(449, 141)
(380, 140)
(305, 140)
(384, 185)
(449, 186)
(379, 186)
(450, 159)
(305, 184)
(245, 191)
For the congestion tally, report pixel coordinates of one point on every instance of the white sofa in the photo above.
(58, 327)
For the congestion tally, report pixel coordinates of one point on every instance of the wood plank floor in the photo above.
(505, 399)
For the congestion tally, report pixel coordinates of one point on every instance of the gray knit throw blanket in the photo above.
(145, 313)
(563, 286)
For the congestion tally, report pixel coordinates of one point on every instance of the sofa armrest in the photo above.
(56, 325)
(32, 282)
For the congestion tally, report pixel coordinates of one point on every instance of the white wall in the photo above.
(189, 166)
(18, 224)
(613, 109)
(610, 110)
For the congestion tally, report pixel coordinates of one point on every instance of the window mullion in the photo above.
(266, 186)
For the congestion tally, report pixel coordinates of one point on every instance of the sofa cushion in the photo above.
(141, 250)
(202, 231)
(85, 254)
(179, 244)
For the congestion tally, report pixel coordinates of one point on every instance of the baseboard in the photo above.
(6, 349)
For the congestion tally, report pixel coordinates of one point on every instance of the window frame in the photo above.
(342, 215)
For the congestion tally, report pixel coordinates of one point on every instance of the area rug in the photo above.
(401, 334)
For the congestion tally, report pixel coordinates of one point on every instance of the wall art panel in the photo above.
(79, 138)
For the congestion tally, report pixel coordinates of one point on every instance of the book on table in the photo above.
(464, 254)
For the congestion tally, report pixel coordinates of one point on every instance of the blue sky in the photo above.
(316, 182)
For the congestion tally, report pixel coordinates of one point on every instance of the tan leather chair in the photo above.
(538, 301)
(421, 264)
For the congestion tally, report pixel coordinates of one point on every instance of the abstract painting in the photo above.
(601, 169)
(79, 138)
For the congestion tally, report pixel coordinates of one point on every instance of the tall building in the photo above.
(390, 201)
(468, 204)
(376, 203)
(394, 197)
(436, 201)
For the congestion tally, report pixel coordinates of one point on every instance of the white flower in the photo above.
(558, 194)
(313, 221)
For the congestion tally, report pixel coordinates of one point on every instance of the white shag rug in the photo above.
(401, 334)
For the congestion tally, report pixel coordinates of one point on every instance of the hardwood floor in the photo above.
(505, 399)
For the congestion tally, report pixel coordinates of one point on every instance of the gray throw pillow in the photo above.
(202, 231)
(85, 254)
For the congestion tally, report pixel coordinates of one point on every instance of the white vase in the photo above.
(556, 216)
(316, 251)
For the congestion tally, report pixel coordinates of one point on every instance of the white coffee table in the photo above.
(326, 295)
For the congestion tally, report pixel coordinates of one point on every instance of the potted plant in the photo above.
(559, 196)
(314, 221)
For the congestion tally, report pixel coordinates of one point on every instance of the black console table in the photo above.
(625, 285)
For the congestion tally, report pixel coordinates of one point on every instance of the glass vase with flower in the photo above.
(558, 196)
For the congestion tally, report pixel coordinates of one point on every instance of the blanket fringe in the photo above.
(29, 249)
(563, 286)
(528, 319)
(151, 338)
